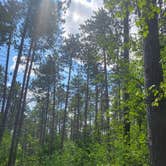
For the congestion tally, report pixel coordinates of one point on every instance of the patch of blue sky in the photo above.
(79, 11)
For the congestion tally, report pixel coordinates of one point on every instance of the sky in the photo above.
(79, 11)
(76, 14)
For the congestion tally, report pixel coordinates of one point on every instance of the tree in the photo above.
(10, 95)
(12, 14)
(71, 49)
(1, 82)
(98, 30)
(85, 103)
(35, 36)
(153, 78)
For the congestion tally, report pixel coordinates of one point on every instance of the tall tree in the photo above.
(10, 95)
(12, 8)
(71, 50)
(35, 36)
(126, 71)
(153, 78)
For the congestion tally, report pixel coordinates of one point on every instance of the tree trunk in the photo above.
(86, 103)
(10, 95)
(102, 127)
(96, 99)
(6, 73)
(106, 96)
(53, 120)
(96, 111)
(66, 106)
(19, 116)
(45, 117)
(126, 71)
(78, 112)
(41, 124)
(154, 76)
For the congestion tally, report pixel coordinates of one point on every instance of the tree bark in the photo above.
(19, 115)
(156, 116)
(96, 107)
(106, 96)
(78, 112)
(53, 119)
(126, 72)
(11, 91)
(86, 103)
(66, 106)
(6, 73)
(45, 117)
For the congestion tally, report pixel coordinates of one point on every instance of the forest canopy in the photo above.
(95, 97)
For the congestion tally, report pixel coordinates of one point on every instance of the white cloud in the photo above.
(76, 17)
(21, 69)
(78, 61)
(30, 100)
(79, 11)
(21, 66)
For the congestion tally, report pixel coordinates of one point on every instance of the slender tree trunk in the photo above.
(78, 112)
(25, 96)
(45, 117)
(106, 96)
(154, 76)
(72, 129)
(53, 119)
(59, 124)
(119, 116)
(96, 99)
(41, 124)
(96, 110)
(96, 106)
(86, 104)
(18, 120)
(11, 92)
(102, 128)
(126, 71)
(66, 106)
(75, 125)
(6, 73)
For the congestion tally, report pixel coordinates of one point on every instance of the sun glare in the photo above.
(76, 17)
(84, 2)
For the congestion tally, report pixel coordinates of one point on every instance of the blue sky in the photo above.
(79, 11)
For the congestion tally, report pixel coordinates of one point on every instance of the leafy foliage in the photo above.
(86, 101)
